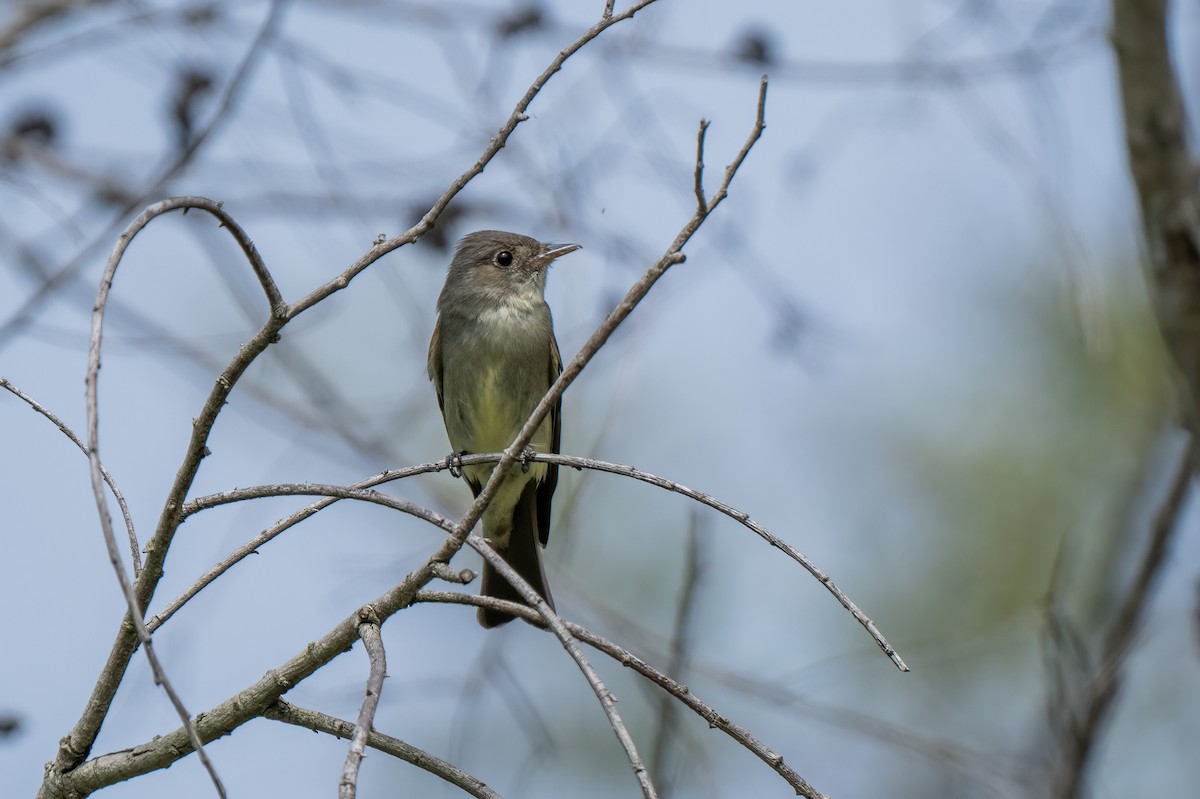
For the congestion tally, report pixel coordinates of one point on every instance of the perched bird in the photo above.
(492, 358)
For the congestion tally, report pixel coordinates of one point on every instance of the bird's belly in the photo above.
(491, 408)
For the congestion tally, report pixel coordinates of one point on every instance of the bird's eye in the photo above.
(504, 258)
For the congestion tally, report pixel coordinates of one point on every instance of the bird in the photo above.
(492, 357)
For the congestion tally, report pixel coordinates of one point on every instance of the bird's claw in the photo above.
(454, 464)
(526, 457)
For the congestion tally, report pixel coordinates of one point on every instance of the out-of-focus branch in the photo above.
(28, 17)
(1085, 717)
(288, 713)
(680, 651)
(1165, 176)
(156, 185)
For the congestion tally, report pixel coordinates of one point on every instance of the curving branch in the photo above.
(1164, 173)
(1165, 176)
(134, 551)
(134, 615)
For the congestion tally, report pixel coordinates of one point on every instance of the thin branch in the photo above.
(332, 494)
(134, 614)
(368, 631)
(1083, 726)
(288, 713)
(134, 550)
(680, 691)
(760, 125)
(608, 8)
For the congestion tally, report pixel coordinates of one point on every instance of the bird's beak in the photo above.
(552, 251)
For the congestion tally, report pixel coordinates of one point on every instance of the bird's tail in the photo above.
(523, 554)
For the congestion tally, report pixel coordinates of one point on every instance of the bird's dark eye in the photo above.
(504, 258)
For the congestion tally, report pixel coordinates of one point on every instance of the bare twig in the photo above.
(368, 631)
(288, 713)
(134, 551)
(461, 576)
(333, 493)
(627, 659)
(698, 174)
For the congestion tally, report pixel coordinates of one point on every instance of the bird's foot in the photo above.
(526, 457)
(454, 464)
